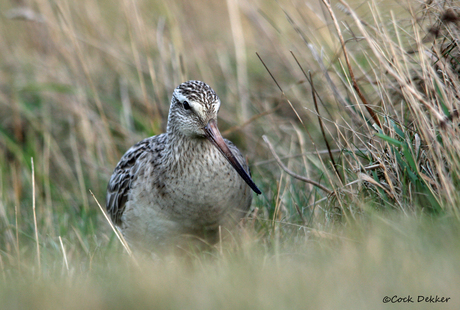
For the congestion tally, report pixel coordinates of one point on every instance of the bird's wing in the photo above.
(126, 172)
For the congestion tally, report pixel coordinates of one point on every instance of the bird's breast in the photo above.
(205, 187)
(202, 190)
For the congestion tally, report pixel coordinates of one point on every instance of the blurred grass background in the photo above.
(82, 81)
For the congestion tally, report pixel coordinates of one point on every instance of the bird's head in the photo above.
(193, 105)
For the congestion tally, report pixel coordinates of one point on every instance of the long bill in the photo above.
(213, 134)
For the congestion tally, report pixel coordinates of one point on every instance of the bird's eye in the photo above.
(186, 105)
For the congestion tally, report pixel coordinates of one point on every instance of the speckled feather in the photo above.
(178, 183)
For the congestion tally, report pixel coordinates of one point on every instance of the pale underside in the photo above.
(164, 193)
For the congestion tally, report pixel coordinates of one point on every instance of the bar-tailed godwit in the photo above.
(185, 182)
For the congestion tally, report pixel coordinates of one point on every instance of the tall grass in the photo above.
(361, 98)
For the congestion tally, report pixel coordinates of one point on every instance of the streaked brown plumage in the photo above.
(185, 182)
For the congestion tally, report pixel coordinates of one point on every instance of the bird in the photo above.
(182, 186)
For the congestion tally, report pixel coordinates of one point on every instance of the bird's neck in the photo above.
(180, 147)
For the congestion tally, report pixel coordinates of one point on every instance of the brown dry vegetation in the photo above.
(361, 98)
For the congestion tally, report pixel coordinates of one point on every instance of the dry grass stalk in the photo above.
(114, 229)
(35, 215)
(350, 70)
(293, 174)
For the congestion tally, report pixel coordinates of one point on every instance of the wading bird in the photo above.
(185, 182)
